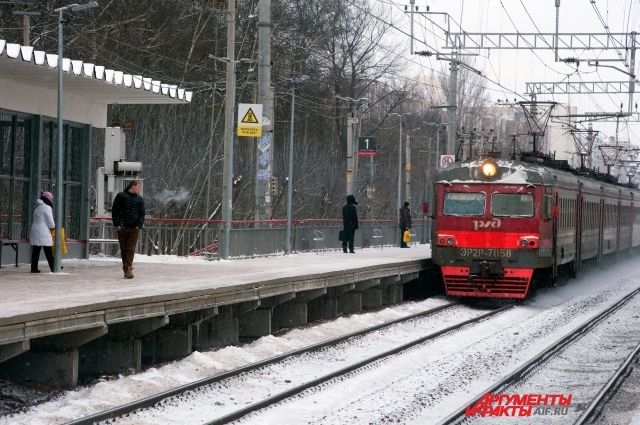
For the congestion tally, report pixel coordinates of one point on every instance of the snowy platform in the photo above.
(91, 295)
(97, 284)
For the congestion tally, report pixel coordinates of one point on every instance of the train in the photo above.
(502, 228)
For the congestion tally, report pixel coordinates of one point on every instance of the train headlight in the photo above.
(489, 169)
(529, 242)
(446, 240)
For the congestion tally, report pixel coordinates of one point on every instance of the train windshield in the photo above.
(463, 203)
(512, 205)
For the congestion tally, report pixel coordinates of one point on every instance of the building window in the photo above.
(72, 172)
(15, 166)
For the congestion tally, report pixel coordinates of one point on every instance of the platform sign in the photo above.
(367, 146)
(250, 119)
(447, 159)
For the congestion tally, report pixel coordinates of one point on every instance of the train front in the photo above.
(489, 229)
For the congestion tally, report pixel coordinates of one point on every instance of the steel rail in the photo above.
(608, 389)
(547, 353)
(310, 384)
(153, 399)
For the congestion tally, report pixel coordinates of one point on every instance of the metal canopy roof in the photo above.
(86, 81)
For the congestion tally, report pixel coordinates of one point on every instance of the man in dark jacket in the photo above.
(350, 223)
(128, 218)
(405, 223)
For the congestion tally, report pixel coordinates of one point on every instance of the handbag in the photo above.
(63, 241)
(406, 237)
(341, 235)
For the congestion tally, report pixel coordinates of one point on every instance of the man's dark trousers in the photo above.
(348, 238)
(128, 238)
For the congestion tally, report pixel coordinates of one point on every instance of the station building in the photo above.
(28, 133)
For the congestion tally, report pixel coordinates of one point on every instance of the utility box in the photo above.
(116, 173)
(114, 148)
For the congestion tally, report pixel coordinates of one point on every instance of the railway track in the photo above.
(151, 401)
(592, 412)
(520, 373)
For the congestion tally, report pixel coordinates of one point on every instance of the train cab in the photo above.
(492, 227)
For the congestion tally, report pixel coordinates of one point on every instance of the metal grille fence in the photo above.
(248, 238)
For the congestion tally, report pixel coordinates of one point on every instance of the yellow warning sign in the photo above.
(250, 131)
(249, 118)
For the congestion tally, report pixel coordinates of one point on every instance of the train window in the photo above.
(548, 204)
(512, 204)
(456, 203)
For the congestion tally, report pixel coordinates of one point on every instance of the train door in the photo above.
(601, 226)
(630, 220)
(618, 224)
(579, 220)
(555, 213)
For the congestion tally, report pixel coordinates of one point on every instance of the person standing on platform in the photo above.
(349, 223)
(405, 223)
(40, 234)
(128, 218)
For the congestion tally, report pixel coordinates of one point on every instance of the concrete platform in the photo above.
(89, 315)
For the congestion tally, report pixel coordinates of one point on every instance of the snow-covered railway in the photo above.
(598, 408)
(208, 400)
(570, 369)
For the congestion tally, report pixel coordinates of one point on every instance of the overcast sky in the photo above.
(513, 68)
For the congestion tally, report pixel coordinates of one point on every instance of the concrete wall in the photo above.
(74, 250)
(145, 336)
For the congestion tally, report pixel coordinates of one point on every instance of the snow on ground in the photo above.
(100, 281)
(106, 394)
(580, 369)
(417, 387)
(423, 385)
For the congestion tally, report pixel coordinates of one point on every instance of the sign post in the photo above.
(446, 160)
(367, 146)
(249, 120)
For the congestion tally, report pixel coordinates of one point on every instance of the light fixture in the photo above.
(489, 169)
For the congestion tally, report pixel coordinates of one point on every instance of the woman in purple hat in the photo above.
(40, 235)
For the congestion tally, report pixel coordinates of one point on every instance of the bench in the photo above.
(377, 238)
(13, 243)
(103, 241)
(318, 239)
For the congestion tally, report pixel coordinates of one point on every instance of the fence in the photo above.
(248, 238)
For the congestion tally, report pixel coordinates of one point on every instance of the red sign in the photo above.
(367, 154)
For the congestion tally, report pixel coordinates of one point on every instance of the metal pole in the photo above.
(438, 147)
(452, 109)
(407, 169)
(425, 197)
(350, 129)
(290, 179)
(229, 107)
(211, 136)
(26, 30)
(399, 201)
(411, 3)
(265, 97)
(57, 266)
(632, 67)
(557, 27)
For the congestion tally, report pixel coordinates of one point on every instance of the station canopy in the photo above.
(84, 81)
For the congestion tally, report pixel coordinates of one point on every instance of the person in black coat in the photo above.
(128, 218)
(405, 223)
(349, 223)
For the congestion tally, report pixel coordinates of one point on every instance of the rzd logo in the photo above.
(481, 224)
